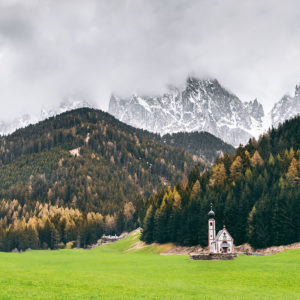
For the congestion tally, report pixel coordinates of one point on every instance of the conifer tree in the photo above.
(271, 160)
(148, 226)
(256, 160)
(293, 174)
(196, 189)
(218, 174)
(236, 169)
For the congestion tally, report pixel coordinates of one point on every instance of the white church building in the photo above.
(223, 242)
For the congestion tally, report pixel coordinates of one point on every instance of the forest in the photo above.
(203, 144)
(78, 168)
(69, 179)
(255, 193)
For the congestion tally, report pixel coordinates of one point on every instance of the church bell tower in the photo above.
(211, 230)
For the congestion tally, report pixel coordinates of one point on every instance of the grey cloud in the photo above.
(52, 49)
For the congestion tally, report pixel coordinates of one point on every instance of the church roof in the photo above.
(221, 232)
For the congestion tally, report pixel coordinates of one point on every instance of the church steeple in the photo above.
(211, 213)
(211, 230)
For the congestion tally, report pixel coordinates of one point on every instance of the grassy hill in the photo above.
(113, 272)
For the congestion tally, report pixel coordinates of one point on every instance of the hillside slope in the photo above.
(89, 155)
(79, 174)
(255, 193)
(202, 144)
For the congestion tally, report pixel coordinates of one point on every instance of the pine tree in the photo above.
(236, 169)
(218, 174)
(256, 160)
(271, 160)
(120, 223)
(194, 175)
(293, 174)
(148, 225)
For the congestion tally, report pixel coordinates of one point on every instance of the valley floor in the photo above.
(115, 272)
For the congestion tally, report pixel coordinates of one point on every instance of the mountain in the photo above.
(255, 110)
(202, 144)
(82, 173)
(286, 108)
(117, 161)
(202, 105)
(255, 193)
(79, 174)
(7, 127)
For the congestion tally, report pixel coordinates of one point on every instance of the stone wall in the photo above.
(212, 256)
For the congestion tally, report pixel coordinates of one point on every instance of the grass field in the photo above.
(113, 272)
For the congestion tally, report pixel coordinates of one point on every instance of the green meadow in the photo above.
(116, 271)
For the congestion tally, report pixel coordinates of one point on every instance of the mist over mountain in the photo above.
(203, 105)
(199, 105)
(7, 127)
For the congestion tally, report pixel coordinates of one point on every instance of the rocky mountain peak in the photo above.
(297, 90)
(255, 109)
(286, 108)
(201, 105)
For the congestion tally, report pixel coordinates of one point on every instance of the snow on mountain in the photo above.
(255, 109)
(27, 119)
(202, 105)
(286, 108)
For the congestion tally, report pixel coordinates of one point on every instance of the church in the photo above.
(223, 242)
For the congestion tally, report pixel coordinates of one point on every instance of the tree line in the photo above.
(45, 226)
(255, 192)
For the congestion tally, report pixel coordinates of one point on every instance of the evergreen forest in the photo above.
(255, 193)
(202, 144)
(71, 178)
(80, 174)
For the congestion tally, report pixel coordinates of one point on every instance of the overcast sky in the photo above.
(51, 50)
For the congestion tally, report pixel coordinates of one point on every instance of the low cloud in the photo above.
(50, 50)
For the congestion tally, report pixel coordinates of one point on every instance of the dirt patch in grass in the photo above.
(246, 248)
(277, 249)
(137, 246)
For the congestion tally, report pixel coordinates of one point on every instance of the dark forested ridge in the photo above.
(107, 153)
(255, 192)
(202, 144)
(63, 177)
